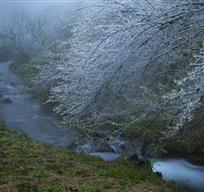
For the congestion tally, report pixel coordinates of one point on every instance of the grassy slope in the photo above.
(26, 166)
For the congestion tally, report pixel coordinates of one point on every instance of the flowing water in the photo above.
(186, 175)
(24, 114)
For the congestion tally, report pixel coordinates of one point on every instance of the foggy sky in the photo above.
(12, 9)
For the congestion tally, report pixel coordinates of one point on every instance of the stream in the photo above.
(23, 113)
(20, 111)
(188, 176)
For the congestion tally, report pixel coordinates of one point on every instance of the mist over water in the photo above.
(188, 176)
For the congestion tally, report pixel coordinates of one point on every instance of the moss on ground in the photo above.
(25, 71)
(29, 166)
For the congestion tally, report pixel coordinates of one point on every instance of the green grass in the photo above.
(29, 166)
(25, 71)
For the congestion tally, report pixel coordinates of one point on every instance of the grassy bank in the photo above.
(24, 70)
(29, 166)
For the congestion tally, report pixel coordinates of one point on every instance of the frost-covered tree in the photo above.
(23, 36)
(121, 62)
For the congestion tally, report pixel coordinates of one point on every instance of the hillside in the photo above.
(29, 166)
